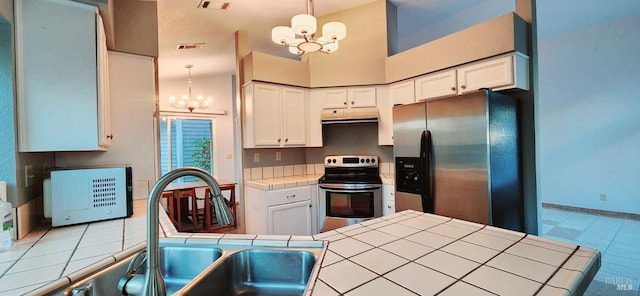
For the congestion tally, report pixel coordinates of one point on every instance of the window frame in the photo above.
(165, 119)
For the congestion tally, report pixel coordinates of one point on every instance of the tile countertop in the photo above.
(411, 253)
(297, 180)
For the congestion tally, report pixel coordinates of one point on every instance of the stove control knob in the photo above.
(373, 160)
(361, 160)
(368, 160)
(328, 160)
(334, 160)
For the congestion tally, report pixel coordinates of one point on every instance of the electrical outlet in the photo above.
(229, 156)
(278, 155)
(603, 197)
(256, 157)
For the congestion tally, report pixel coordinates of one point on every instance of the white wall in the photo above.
(588, 116)
(221, 90)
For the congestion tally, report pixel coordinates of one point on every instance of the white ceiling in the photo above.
(181, 21)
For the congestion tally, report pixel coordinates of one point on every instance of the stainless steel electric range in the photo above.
(350, 191)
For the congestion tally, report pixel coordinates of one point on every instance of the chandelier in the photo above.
(299, 38)
(187, 101)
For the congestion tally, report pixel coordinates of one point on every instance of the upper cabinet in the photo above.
(274, 116)
(62, 77)
(504, 72)
(402, 92)
(351, 97)
(510, 71)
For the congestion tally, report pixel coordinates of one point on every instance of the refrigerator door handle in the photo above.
(425, 160)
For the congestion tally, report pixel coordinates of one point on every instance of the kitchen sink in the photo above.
(179, 264)
(256, 272)
(203, 269)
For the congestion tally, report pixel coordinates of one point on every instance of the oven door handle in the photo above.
(359, 187)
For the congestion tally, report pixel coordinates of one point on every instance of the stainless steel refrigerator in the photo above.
(460, 157)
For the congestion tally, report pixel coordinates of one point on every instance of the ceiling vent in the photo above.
(190, 46)
(213, 4)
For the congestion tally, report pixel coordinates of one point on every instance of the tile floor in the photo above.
(617, 239)
(48, 253)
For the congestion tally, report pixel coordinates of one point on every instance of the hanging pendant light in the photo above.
(188, 101)
(299, 38)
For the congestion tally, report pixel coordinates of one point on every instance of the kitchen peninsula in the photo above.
(413, 253)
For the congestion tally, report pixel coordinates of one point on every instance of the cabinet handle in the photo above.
(352, 102)
(286, 140)
(453, 88)
(110, 137)
(279, 140)
(388, 206)
(291, 196)
(463, 86)
(310, 206)
(345, 103)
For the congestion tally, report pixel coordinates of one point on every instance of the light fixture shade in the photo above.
(334, 30)
(282, 35)
(304, 24)
(295, 50)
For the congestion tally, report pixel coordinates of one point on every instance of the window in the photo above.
(186, 142)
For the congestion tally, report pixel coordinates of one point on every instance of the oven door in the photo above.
(341, 205)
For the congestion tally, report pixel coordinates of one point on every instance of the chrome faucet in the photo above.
(153, 284)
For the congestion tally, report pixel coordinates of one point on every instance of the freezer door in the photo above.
(409, 121)
(458, 128)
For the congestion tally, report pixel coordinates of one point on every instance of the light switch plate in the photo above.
(256, 157)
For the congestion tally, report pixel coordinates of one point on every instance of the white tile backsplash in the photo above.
(288, 170)
(256, 173)
(267, 172)
(278, 171)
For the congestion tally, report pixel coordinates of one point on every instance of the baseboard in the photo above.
(629, 216)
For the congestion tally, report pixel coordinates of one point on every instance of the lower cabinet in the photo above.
(388, 199)
(280, 212)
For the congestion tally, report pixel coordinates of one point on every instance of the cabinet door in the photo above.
(388, 200)
(290, 219)
(313, 123)
(56, 76)
(436, 85)
(361, 97)
(267, 112)
(335, 98)
(489, 74)
(385, 116)
(293, 109)
(402, 92)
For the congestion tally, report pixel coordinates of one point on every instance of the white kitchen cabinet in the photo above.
(385, 116)
(510, 71)
(439, 84)
(388, 199)
(504, 72)
(349, 97)
(290, 219)
(402, 92)
(313, 122)
(282, 211)
(62, 82)
(274, 116)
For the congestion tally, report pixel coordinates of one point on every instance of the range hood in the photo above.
(355, 115)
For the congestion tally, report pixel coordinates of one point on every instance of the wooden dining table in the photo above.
(180, 195)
